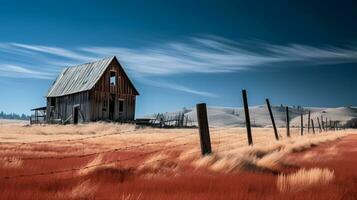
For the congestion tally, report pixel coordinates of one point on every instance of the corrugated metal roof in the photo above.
(79, 78)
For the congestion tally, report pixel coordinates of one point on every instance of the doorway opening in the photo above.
(75, 114)
(111, 109)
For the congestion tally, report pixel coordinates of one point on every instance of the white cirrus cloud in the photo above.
(22, 72)
(177, 87)
(202, 54)
(61, 52)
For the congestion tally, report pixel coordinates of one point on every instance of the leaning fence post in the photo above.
(272, 119)
(308, 122)
(287, 122)
(302, 124)
(203, 129)
(313, 127)
(247, 118)
(318, 121)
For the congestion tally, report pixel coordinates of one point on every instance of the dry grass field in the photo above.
(114, 161)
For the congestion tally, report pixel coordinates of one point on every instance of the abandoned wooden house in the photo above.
(95, 91)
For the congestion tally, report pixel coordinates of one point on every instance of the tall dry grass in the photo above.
(131, 197)
(230, 149)
(91, 165)
(158, 165)
(10, 162)
(303, 179)
(260, 157)
(85, 190)
(230, 154)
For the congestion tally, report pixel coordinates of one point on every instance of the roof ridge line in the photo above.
(102, 59)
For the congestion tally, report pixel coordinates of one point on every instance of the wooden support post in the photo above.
(322, 123)
(247, 118)
(330, 124)
(36, 116)
(308, 122)
(302, 124)
(313, 127)
(203, 129)
(334, 125)
(318, 121)
(326, 124)
(287, 122)
(272, 120)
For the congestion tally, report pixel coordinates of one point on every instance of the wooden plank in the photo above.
(318, 121)
(308, 122)
(302, 124)
(313, 127)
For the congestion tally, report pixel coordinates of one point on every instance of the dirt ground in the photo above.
(106, 161)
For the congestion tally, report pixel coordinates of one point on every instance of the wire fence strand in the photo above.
(92, 166)
(100, 152)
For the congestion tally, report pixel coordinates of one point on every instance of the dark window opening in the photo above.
(121, 105)
(52, 102)
(113, 78)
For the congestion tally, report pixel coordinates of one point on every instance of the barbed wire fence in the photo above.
(204, 140)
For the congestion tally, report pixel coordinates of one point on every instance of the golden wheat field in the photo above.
(120, 161)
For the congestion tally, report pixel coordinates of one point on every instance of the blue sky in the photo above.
(179, 53)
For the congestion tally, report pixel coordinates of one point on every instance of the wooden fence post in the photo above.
(302, 124)
(326, 124)
(203, 128)
(308, 122)
(313, 127)
(247, 118)
(287, 122)
(272, 119)
(318, 121)
(322, 123)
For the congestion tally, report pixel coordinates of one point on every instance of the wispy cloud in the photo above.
(313, 55)
(18, 71)
(205, 54)
(165, 84)
(61, 52)
(211, 54)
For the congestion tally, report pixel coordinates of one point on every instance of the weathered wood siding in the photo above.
(103, 92)
(95, 104)
(63, 107)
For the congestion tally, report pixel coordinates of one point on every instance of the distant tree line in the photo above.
(14, 116)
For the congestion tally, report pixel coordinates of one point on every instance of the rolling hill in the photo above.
(259, 115)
